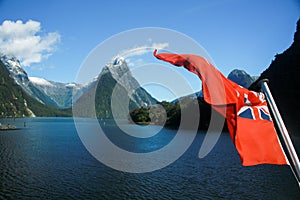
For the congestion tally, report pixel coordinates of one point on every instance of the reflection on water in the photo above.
(46, 160)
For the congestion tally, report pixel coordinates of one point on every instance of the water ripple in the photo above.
(48, 161)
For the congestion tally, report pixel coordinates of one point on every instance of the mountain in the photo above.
(241, 77)
(15, 102)
(284, 82)
(21, 78)
(173, 109)
(60, 93)
(238, 76)
(115, 75)
(47, 92)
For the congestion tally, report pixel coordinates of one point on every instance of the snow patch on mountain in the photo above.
(63, 94)
(40, 81)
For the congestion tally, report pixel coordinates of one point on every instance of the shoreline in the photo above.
(8, 127)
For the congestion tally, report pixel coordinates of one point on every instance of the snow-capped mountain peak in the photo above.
(118, 60)
(16, 71)
(40, 81)
(118, 68)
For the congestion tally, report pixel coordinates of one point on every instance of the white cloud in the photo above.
(159, 46)
(141, 50)
(128, 54)
(134, 62)
(26, 41)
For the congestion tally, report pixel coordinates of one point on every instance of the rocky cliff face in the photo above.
(12, 101)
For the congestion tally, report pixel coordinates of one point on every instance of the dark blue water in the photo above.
(46, 160)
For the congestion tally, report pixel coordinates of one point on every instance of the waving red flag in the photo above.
(248, 119)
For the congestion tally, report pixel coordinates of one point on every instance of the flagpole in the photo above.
(282, 129)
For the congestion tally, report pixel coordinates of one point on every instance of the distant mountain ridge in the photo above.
(60, 93)
(238, 76)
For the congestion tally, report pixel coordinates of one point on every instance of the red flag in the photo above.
(248, 119)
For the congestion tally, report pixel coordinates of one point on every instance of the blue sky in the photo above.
(235, 33)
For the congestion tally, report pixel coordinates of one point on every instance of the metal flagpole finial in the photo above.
(260, 82)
